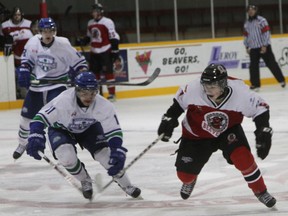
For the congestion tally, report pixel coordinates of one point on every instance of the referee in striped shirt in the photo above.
(258, 45)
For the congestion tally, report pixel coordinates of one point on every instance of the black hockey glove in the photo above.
(115, 50)
(7, 49)
(263, 141)
(82, 41)
(115, 56)
(8, 44)
(167, 126)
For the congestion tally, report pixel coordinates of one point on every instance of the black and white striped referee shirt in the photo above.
(256, 33)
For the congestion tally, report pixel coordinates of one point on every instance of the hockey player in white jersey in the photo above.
(215, 106)
(46, 57)
(80, 115)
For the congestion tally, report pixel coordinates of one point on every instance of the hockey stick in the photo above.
(101, 189)
(145, 83)
(69, 178)
(66, 14)
(67, 11)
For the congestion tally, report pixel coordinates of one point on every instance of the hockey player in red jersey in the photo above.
(16, 32)
(215, 106)
(104, 51)
(18, 29)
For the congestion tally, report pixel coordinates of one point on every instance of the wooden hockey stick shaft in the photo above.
(67, 176)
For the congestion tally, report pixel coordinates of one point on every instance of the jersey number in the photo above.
(116, 119)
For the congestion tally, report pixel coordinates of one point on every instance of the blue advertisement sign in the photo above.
(228, 59)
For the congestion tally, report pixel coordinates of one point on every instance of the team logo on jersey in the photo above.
(46, 63)
(215, 123)
(80, 124)
(96, 35)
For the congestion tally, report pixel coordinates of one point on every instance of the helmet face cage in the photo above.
(46, 23)
(98, 7)
(85, 93)
(215, 74)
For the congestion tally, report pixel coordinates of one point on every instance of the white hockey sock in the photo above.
(24, 130)
(67, 156)
(123, 181)
(103, 157)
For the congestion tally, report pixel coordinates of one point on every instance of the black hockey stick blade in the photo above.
(145, 83)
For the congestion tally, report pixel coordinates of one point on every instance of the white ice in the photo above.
(33, 188)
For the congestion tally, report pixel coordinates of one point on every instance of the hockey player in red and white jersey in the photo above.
(215, 106)
(48, 58)
(80, 115)
(104, 50)
(16, 32)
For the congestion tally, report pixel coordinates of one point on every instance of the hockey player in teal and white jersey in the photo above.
(80, 115)
(45, 57)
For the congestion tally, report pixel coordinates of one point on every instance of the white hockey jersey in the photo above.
(51, 63)
(64, 112)
(205, 119)
(100, 34)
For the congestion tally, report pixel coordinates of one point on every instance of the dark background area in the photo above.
(157, 21)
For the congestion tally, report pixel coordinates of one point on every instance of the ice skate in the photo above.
(187, 189)
(255, 88)
(131, 191)
(111, 98)
(266, 199)
(19, 151)
(125, 184)
(87, 188)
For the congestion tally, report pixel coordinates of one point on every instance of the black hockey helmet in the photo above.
(215, 74)
(98, 7)
(254, 7)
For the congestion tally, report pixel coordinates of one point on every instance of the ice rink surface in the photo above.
(29, 187)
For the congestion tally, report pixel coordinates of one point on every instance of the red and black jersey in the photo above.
(205, 119)
(100, 33)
